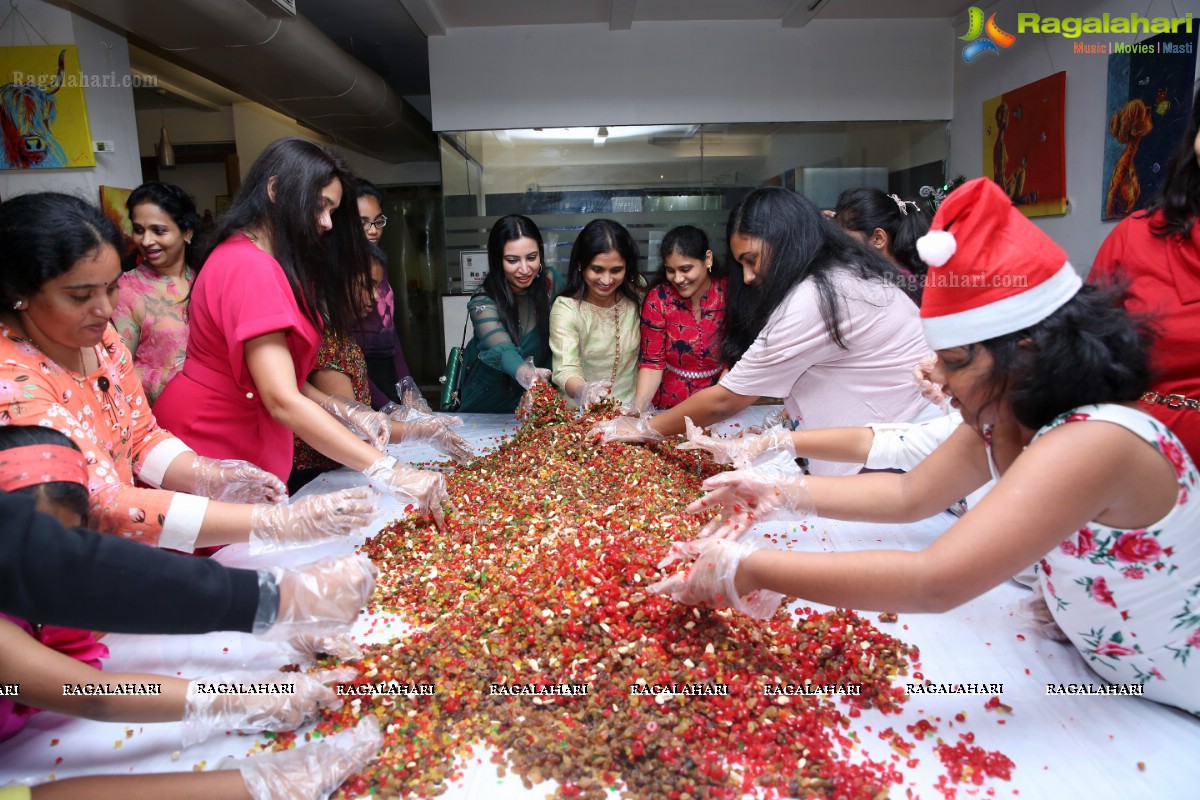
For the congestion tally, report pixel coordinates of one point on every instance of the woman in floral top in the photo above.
(151, 314)
(681, 323)
(1098, 492)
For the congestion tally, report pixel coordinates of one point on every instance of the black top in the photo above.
(74, 577)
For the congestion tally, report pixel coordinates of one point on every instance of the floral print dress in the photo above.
(151, 316)
(685, 346)
(1129, 600)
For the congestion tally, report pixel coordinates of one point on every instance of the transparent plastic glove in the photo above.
(214, 704)
(309, 647)
(411, 397)
(232, 481)
(417, 427)
(1034, 609)
(625, 429)
(314, 771)
(320, 599)
(591, 392)
(738, 450)
(310, 520)
(428, 489)
(366, 423)
(709, 581)
(745, 497)
(929, 390)
(643, 408)
(528, 372)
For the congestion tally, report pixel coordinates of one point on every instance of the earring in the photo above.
(188, 240)
(18, 305)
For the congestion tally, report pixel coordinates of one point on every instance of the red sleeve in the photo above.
(654, 332)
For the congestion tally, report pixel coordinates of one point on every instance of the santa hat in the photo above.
(991, 270)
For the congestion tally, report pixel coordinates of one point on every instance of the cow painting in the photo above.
(27, 113)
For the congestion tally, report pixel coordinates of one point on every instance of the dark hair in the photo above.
(686, 240)
(1179, 200)
(864, 210)
(495, 285)
(179, 206)
(597, 237)
(799, 243)
(324, 270)
(376, 254)
(1091, 350)
(367, 189)
(43, 235)
(71, 496)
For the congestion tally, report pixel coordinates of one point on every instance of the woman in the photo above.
(681, 323)
(891, 226)
(510, 316)
(594, 324)
(151, 312)
(1156, 253)
(62, 365)
(1091, 488)
(812, 316)
(290, 261)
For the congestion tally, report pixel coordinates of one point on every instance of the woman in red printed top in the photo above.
(681, 321)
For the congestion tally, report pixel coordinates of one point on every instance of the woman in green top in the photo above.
(511, 319)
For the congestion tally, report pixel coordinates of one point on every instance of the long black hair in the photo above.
(597, 237)
(799, 243)
(179, 206)
(71, 496)
(42, 235)
(863, 210)
(495, 285)
(1179, 200)
(325, 270)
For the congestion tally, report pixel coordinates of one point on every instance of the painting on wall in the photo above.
(42, 109)
(112, 203)
(1024, 146)
(1146, 113)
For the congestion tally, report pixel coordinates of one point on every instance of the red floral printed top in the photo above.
(675, 340)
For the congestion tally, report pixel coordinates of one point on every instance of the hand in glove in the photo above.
(625, 429)
(309, 647)
(746, 497)
(528, 373)
(411, 397)
(417, 427)
(233, 481)
(314, 771)
(208, 710)
(929, 390)
(709, 580)
(310, 520)
(591, 392)
(321, 599)
(428, 489)
(740, 450)
(374, 427)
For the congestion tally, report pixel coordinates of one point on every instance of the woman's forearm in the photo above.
(317, 427)
(704, 408)
(849, 445)
(648, 382)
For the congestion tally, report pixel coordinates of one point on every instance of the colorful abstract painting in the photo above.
(43, 113)
(1146, 113)
(112, 203)
(1024, 146)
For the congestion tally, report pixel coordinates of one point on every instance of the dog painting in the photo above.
(1147, 111)
(43, 115)
(1024, 146)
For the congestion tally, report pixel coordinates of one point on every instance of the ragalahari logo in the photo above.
(993, 37)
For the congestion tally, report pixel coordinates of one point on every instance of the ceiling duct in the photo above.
(285, 64)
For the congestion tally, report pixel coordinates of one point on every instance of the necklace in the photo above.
(616, 315)
(70, 369)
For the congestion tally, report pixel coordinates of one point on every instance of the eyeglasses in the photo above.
(379, 222)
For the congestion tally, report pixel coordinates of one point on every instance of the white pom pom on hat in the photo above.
(936, 247)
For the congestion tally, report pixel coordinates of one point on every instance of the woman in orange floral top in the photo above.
(63, 366)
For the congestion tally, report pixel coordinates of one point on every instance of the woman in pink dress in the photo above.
(290, 261)
(151, 313)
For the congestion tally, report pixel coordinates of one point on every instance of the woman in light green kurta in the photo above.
(510, 318)
(595, 326)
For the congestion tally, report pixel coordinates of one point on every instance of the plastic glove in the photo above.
(591, 392)
(625, 429)
(528, 373)
(740, 450)
(929, 390)
(1036, 611)
(417, 427)
(208, 709)
(366, 423)
(709, 580)
(315, 770)
(411, 397)
(310, 520)
(772, 418)
(309, 647)
(232, 481)
(427, 488)
(746, 497)
(320, 599)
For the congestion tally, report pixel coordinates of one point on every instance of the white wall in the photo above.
(110, 109)
(558, 76)
(1034, 56)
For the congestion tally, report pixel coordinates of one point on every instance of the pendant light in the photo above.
(166, 153)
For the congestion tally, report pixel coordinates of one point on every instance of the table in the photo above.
(1063, 746)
